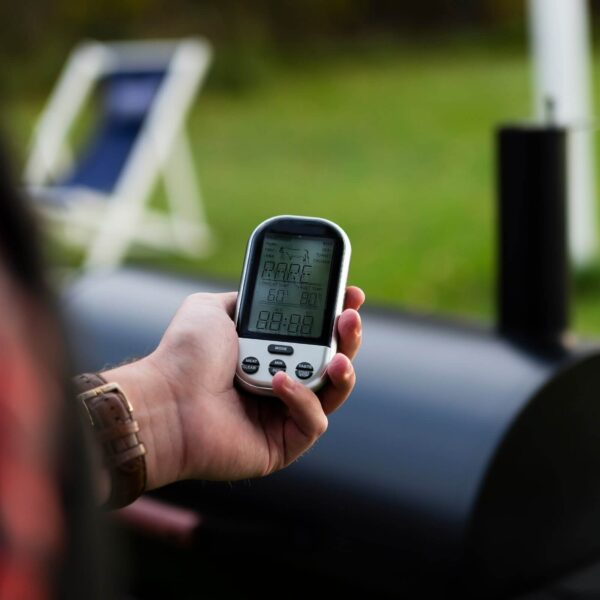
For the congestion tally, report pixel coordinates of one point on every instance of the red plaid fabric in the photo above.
(31, 519)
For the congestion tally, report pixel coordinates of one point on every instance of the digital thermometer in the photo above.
(291, 293)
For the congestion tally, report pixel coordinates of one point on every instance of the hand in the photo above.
(196, 424)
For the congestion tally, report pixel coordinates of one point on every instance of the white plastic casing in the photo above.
(317, 355)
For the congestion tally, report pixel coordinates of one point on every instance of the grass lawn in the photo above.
(394, 144)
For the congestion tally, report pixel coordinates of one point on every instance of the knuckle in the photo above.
(196, 298)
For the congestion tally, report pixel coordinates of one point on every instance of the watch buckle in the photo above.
(99, 391)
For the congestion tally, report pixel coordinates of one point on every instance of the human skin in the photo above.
(196, 424)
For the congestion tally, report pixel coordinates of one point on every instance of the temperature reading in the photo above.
(277, 296)
(309, 298)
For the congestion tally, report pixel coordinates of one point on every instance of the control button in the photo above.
(303, 374)
(280, 349)
(304, 370)
(250, 365)
(277, 365)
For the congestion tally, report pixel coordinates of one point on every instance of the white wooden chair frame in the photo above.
(107, 227)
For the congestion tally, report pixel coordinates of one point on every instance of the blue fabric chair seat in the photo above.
(126, 101)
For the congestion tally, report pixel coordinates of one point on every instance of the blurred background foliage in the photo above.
(379, 115)
(37, 34)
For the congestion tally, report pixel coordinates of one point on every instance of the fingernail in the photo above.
(358, 327)
(348, 369)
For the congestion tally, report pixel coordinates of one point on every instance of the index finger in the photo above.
(228, 299)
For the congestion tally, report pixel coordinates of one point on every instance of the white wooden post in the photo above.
(559, 31)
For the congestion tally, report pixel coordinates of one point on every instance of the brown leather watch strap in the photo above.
(112, 420)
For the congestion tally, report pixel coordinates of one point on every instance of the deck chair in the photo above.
(100, 198)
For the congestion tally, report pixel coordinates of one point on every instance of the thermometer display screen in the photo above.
(290, 293)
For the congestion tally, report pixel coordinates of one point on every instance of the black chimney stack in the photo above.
(533, 298)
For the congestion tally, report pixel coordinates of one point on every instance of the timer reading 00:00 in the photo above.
(273, 321)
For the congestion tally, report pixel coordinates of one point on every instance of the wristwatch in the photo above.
(111, 418)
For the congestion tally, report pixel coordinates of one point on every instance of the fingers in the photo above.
(349, 328)
(341, 383)
(308, 421)
(355, 297)
(228, 299)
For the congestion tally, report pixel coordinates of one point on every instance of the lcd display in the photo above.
(290, 294)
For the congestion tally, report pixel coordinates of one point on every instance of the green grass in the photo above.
(395, 145)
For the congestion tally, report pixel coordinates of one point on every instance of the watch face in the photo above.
(292, 283)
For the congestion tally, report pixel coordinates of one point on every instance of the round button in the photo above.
(277, 365)
(304, 366)
(250, 365)
(302, 374)
(304, 370)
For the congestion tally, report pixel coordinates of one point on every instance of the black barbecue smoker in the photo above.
(466, 463)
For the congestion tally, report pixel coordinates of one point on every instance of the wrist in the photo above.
(155, 410)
